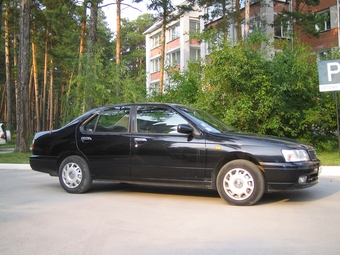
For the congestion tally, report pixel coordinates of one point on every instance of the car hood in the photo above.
(262, 140)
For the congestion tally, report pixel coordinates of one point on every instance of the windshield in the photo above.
(206, 121)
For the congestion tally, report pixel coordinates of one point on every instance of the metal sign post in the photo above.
(329, 80)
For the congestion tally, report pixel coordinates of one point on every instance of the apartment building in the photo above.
(329, 37)
(180, 48)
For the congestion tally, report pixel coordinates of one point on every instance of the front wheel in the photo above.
(74, 175)
(240, 182)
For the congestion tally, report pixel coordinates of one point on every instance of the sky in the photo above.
(127, 12)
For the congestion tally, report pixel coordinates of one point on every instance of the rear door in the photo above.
(105, 141)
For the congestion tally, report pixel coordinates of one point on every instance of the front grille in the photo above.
(313, 178)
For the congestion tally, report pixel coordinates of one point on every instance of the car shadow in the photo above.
(151, 189)
(325, 188)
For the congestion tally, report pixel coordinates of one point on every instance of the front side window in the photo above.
(111, 120)
(158, 119)
(206, 121)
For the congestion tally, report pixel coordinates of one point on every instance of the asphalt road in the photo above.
(38, 217)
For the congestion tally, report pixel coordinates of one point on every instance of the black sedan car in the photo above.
(168, 144)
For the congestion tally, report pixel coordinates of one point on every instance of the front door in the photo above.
(159, 151)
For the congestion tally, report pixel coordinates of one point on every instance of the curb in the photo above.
(330, 171)
(324, 170)
(15, 166)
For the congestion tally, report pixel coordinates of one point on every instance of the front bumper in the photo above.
(285, 176)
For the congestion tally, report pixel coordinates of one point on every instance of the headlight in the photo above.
(295, 155)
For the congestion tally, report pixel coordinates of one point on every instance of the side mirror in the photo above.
(185, 129)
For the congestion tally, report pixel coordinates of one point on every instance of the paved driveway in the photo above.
(38, 217)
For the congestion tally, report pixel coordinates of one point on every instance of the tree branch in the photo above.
(126, 5)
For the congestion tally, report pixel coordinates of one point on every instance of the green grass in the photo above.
(15, 157)
(327, 158)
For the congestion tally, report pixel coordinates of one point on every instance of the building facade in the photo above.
(262, 14)
(178, 47)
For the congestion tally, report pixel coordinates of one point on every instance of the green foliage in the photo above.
(246, 88)
(306, 20)
(182, 85)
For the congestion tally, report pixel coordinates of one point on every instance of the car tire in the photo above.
(8, 136)
(240, 182)
(74, 175)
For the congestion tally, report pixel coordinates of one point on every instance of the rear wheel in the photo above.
(240, 182)
(74, 175)
(8, 136)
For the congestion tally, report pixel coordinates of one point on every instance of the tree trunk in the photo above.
(82, 39)
(15, 65)
(161, 68)
(8, 69)
(238, 21)
(50, 99)
(36, 89)
(224, 22)
(118, 36)
(1, 1)
(246, 19)
(22, 143)
(91, 51)
(118, 43)
(93, 28)
(45, 80)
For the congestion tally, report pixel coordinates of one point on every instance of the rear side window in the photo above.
(110, 120)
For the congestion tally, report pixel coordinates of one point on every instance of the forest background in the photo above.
(73, 66)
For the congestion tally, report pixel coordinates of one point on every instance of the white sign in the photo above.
(329, 75)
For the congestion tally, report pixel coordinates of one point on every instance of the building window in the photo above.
(194, 26)
(195, 54)
(156, 40)
(254, 25)
(154, 87)
(281, 26)
(174, 58)
(155, 65)
(174, 32)
(326, 25)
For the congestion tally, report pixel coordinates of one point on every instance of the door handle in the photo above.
(85, 139)
(140, 140)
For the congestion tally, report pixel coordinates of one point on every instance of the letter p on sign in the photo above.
(332, 68)
(329, 75)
